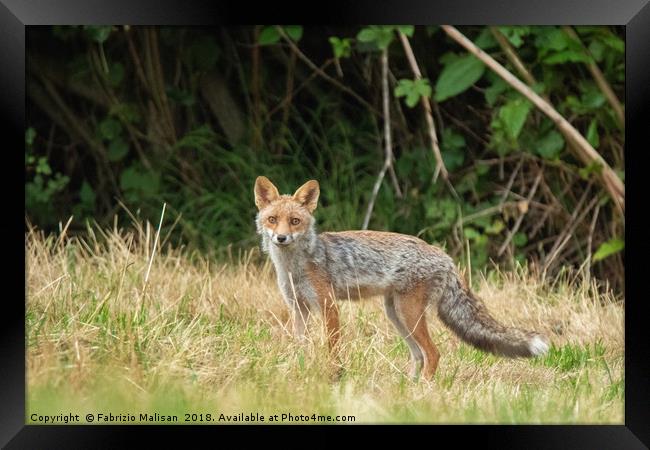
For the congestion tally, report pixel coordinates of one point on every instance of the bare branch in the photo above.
(440, 165)
(388, 141)
(320, 72)
(600, 79)
(583, 148)
(520, 219)
(512, 56)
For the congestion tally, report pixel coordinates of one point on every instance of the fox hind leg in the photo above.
(417, 358)
(410, 308)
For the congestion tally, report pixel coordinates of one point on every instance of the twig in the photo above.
(158, 83)
(511, 180)
(464, 127)
(590, 238)
(287, 99)
(599, 78)
(388, 147)
(486, 212)
(393, 178)
(255, 89)
(136, 61)
(512, 56)
(583, 148)
(548, 263)
(440, 165)
(520, 219)
(556, 206)
(316, 69)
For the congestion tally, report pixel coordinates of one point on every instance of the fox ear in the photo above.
(265, 192)
(307, 195)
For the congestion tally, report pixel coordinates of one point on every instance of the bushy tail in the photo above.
(468, 317)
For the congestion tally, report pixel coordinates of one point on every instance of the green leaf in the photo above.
(268, 36)
(492, 92)
(87, 196)
(567, 56)
(552, 38)
(514, 34)
(592, 134)
(367, 35)
(412, 99)
(482, 169)
(486, 40)
(608, 248)
(139, 183)
(452, 140)
(593, 167)
(379, 36)
(452, 149)
(43, 167)
(613, 42)
(458, 76)
(293, 31)
(520, 239)
(422, 87)
(117, 149)
(342, 48)
(127, 112)
(592, 99)
(109, 129)
(495, 227)
(30, 134)
(116, 74)
(597, 49)
(453, 159)
(406, 29)
(448, 58)
(413, 90)
(98, 34)
(513, 115)
(550, 145)
(539, 88)
(470, 233)
(403, 87)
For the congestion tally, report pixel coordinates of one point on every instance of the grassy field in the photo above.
(207, 338)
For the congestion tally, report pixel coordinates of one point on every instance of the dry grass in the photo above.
(213, 338)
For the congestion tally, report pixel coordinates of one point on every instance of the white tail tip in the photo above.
(537, 346)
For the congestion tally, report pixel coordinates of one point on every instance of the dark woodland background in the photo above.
(121, 119)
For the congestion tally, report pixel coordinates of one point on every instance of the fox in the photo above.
(315, 270)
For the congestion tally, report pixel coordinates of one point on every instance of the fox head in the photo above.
(285, 219)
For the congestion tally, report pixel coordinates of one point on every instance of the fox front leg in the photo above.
(299, 316)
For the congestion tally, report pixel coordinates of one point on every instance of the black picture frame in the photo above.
(15, 15)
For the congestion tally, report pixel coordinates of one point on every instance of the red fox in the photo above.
(313, 270)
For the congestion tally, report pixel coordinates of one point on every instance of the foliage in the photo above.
(413, 90)
(458, 75)
(190, 116)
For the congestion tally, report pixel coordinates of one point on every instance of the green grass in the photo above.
(213, 339)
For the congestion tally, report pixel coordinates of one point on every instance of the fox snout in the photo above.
(281, 239)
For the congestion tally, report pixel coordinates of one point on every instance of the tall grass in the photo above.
(213, 338)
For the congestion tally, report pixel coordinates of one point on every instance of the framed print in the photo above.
(340, 222)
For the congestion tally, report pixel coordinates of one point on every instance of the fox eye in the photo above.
(272, 219)
(295, 221)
